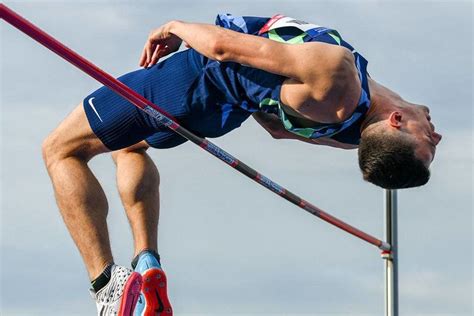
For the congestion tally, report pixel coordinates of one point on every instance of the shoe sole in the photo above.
(130, 294)
(154, 289)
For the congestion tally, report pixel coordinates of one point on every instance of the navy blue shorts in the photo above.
(119, 124)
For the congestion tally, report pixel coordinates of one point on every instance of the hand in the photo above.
(160, 42)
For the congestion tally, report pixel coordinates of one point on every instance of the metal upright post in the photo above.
(391, 256)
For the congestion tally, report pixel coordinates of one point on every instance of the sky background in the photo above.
(231, 247)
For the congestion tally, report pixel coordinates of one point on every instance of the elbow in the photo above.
(271, 123)
(276, 135)
(218, 46)
(218, 52)
(215, 49)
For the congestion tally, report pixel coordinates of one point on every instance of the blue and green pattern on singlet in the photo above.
(258, 90)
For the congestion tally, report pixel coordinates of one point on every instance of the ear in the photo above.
(395, 119)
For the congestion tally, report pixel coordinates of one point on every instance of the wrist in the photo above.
(173, 26)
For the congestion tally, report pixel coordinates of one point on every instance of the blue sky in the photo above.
(229, 246)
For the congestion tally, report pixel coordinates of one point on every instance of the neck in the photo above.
(383, 101)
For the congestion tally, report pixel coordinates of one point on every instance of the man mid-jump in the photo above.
(298, 80)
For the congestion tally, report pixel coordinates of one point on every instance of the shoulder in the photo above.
(330, 61)
(336, 82)
(334, 55)
(326, 63)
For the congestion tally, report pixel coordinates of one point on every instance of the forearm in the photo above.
(204, 38)
(225, 45)
(272, 124)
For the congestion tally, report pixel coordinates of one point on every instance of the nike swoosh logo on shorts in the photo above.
(93, 107)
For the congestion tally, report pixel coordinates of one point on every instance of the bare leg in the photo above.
(138, 183)
(79, 196)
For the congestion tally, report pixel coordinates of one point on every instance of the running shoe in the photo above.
(119, 296)
(153, 300)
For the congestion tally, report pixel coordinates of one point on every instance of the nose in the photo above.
(437, 138)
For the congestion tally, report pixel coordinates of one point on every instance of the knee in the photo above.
(56, 147)
(124, 156)
(131, 151)
(50, 149)
(119, 155)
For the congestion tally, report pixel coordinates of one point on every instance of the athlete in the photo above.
(298, 80)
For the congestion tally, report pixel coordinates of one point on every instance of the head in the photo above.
(397, 148)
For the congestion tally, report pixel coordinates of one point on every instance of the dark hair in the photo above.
(389, 161)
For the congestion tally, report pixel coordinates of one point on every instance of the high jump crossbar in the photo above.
(167, 120)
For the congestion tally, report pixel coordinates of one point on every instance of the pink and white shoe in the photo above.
(120, 295)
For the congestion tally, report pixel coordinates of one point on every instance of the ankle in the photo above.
(97, 267)
(142, 245)
(104, 277)
(145, 251)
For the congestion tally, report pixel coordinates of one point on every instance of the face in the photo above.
(417, 123)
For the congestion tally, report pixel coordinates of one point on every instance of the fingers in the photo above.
(159, 52)
(143, 58)
(157, 46)
(147, 53)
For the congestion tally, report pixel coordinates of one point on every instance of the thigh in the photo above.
(114, 120)
(74, 137)
(119, 124)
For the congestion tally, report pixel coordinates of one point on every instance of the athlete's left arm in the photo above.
(272, 124)
(258, 52)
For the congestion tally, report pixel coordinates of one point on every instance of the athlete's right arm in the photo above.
(258, 52)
